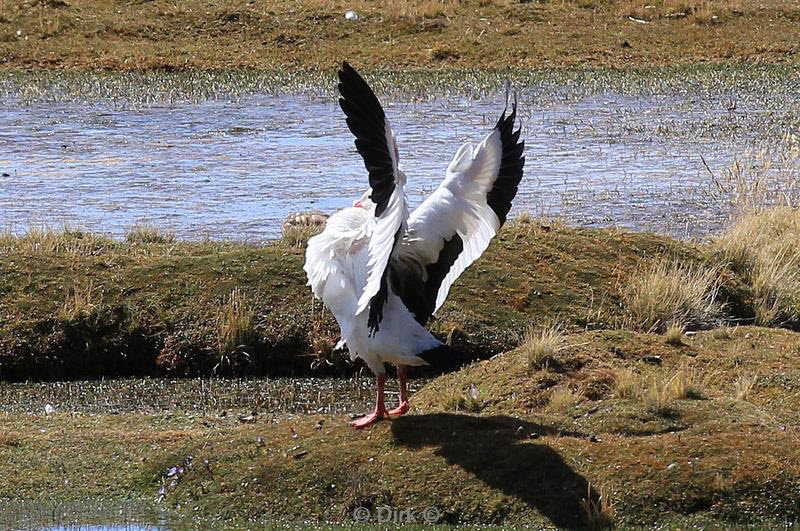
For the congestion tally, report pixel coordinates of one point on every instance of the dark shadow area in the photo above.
(504, 457)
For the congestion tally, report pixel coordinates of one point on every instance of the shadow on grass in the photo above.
(503, 456)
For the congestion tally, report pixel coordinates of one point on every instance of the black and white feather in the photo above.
(383, 272)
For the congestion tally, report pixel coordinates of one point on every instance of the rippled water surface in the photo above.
(235, 169)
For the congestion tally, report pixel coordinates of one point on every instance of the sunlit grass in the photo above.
(540, 347)
(234, 323)
(762, 247)
(599, 512)
(673, 294)
(146, 233)
(563, 398)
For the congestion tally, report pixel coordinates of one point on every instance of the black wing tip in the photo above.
(511, 165)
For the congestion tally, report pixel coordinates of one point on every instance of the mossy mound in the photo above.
(77, 305)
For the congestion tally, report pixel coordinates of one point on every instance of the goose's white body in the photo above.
(383, 272)
(336, 265)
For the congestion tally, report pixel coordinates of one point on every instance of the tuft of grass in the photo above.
(80, 302)
(761, 246)
(234, 323)
(146, 233)
(658, 395)
(760, 178)
(627, 384)
(563, 398)
(672, 292)
(469, 401)
(686, 384)
(320, 338)
(43, 240)
(674, 335)
(723, 332)
(541, 347)
(743, 385)
(299, 228)
(599, 512)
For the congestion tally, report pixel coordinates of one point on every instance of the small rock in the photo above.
(301, 454)
(247, 419)
(653, 360)
(351, 15)
(48, 409)
(671, 466)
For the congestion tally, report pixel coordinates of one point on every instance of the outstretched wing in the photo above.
(375, 143)
(455, 224)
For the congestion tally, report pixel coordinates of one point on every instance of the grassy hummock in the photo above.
(78, 305)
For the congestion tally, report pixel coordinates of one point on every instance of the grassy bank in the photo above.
(163, 34)
(78, 305)
(707, 435)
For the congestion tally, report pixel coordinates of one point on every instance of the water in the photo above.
(235, 169)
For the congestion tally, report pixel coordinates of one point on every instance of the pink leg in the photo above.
(402, 373)
(380, 408)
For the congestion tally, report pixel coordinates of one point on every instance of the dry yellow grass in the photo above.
(541, 346)
(44, 240)
(673, 293)
(298, 228)
(760, 178)
(687, 383)
(762, 246)
(627, 384)
(599, 512)
(234, 323)
(146, 233)
(80, 302)
(466, 400)
(658, 395)
(563, 398)
(674, 334)
(743, 385)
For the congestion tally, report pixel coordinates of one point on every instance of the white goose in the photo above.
(383, 272)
